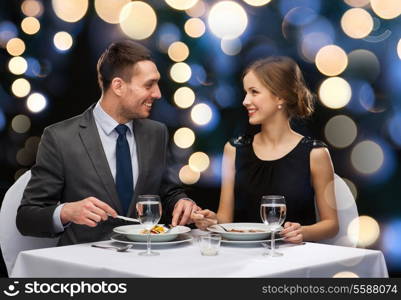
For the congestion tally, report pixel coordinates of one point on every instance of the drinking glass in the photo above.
(273, 211)
(209, 244)
(149, 211)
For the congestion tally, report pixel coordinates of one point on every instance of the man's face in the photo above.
(139, 93)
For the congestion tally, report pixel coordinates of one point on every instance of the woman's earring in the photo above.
(280, 106)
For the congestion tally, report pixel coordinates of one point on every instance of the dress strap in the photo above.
(241, 141)
(312, 143)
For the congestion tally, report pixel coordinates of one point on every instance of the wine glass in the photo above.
(273, 211)
(149, 211)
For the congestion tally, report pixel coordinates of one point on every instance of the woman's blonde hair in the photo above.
(283, 77)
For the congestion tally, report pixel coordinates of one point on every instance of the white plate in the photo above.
(242, 236)
(132, 232)
(182, 238)
(249, 242)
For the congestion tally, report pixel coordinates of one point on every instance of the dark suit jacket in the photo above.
(71, 165)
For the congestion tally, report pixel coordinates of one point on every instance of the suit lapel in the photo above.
(142, 147)
(90, 138)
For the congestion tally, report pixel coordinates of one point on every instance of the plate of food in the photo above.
(181, 238)
(243, 231)
(277, 239)
(159, 232)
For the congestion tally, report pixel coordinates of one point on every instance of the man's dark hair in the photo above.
(117, 61)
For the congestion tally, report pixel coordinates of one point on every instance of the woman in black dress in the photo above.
(277, 160)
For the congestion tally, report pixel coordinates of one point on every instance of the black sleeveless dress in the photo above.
(289, 176)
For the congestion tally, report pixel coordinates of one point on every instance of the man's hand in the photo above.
(182, 211)
(88, 211)
(204, 218)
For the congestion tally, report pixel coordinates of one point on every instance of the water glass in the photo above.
(209, 244)
(273, 211)
(149, 211)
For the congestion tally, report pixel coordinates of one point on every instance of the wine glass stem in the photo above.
(272, 244)
(148, 244)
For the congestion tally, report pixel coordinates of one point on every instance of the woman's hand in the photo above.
(204, 218)
(292, 233)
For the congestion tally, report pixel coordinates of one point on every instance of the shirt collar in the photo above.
(106, 122)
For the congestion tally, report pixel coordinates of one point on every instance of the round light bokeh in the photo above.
(30, 25)
(198, 10)
(32, 8)
(391, 241)
(257, 2)
(399, 48)
(199, 161)
(184, 137)
(21, 87)
(178, 51)
(38, 68)
(167, 33)
(335, 92)
(357, 3)
(109, 11)
(184, 97)
(386, 9)
(36, 102)
(227, 19)
(367, 157)
(17, 65)
(231, 46)
(297, 16)
(70, 11)
(15, 46)
(352, 187)
(20, 123)
(345, 274)
(188, 176)
(180, 72)
(312, 43)
(357, 23)
(363, 64)
(364, 231)
(365, 96)
(138, 20)
(24, 157)
(331, 60)
(62, 40)
(32, 143)
(181, 4)
(340, 131)
(194, 27)
(201, 114)
(8, 31)
(394, 128)
(342, 203)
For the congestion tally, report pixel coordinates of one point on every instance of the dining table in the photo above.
(184, 260)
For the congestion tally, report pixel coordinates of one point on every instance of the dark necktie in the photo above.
(124, 179)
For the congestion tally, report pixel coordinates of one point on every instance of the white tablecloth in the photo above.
(184, 260)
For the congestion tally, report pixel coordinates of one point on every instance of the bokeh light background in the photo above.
(349, 50)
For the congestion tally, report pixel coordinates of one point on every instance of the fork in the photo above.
(118, 249)
(267, 245)
(222, 227)
(126, 218)
(169, 228)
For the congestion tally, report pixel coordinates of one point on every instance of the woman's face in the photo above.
(259, 101)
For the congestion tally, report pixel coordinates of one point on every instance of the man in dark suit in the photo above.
(95, 165)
